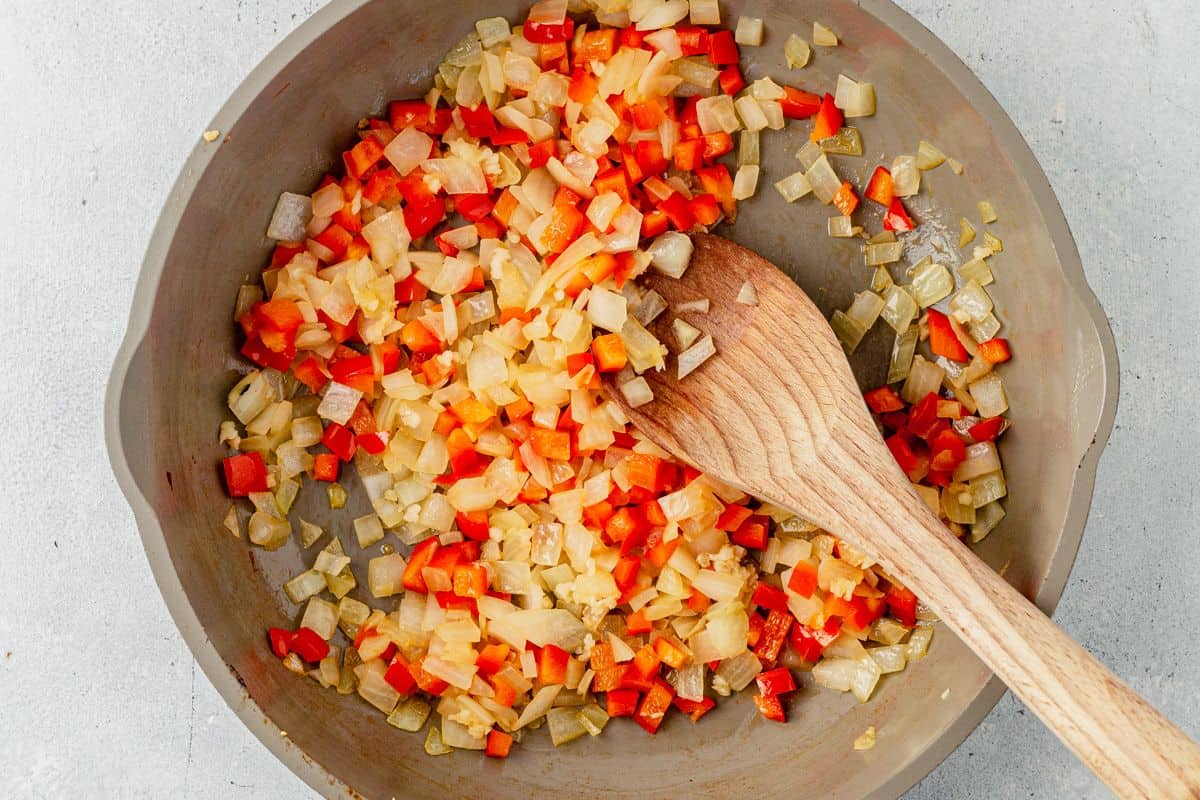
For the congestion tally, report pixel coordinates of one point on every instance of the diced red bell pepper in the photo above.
(473, 525)
(716, 145)
(654, 705)
(995, 351)
(947, 451)
(733, 517)
(923, 418)
(492, 658)
(637, 623)
(776, 682)
(829, 119)
(244, 474)
(770, 707)
(325, 467)
(399, 677)
(705, 209)
(362, 156)
(693, 41)
(883, 400)
(902, 604)
(846, 199)
(599, 45)
(281, 641)
(774, 634)
(767, 596)
(473, 207)
(943, 341)
(552, 664)
(650, 158)
(806, 643)
(309, 373)
(731, 80)
(804, 579)
(897, 218)
(688, 155)
(722, 49)
(752, 533)
(410, 290)
(566, 223)
(548, 32)
(478, 121)
(276, 323)
(337, 239)
(427, 683)
(988, 429)
(609, 351)
(694, 708)
(798, 104)
(470, 580)
(881, 188)
(422, 554)
(717, 182)
(498, 744)
(374, 442)
(340, 441)
(621, 702)
(309, 645)
(677, 211)
(912, 463)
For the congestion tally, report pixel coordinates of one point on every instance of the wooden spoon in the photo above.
(778, 414)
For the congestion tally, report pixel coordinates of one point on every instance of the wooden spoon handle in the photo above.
(1133, 748)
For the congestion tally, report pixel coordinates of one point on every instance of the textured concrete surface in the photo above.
(99, 696)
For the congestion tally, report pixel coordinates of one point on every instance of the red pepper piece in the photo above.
(829, 120)
(988, 429)
(913, 463)
(731, 80)
(281, 641)
(309, 645)
(947, 451)
(693, 41)
(897, 218)
(340, 441)
(548, 32)
(654, 705)
(804, 579)
(420, 558)
(693, 708)
(808, 643)
(498, 744)
(881, 188)
(552, 664)
(325, 467)
(767, 596)
(621, 702)
(244, 474)
(943, 341)
(770, 707)
(846, 199)
(883, 400)
(923, 418)
(902, 604)
(774, 634)
(776, 682)
(995, 351)
(722, 49)
(798, 104)
(399, 677)
(752, 533)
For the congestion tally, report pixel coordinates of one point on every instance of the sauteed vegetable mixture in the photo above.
(438, 313)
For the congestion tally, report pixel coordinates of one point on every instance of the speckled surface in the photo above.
(99, 696)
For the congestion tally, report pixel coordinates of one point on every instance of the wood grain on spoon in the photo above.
(777, 413)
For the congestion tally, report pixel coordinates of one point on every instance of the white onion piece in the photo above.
(685, 334)
(458, 176)
(637, 392)
(906, 176)
(854, 98)
(796, 52)
(548, 11)
(290, 219)
(924, 377)
(671, 253)
(542, 702)
(607, 309)
(747, 295)
(339, 403)
(663, 15)
(793, 187)
(823, 37)
(691, 359)
(824, 181)
(408, 150)
(749, 31)
(717, 114)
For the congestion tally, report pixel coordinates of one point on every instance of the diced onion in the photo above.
(855, 99)
(797, 52)
(906, 176)
(745, 183)
(865, 309)
(749, 31)
(924, 378)
(823, 37)
(691, 359)
(717, 115)
(747, 295)
(931, 283)
(704, 12)
(663, 15)
(290, 219)
(793, 187)
(929, 157)
(671, 253)
(848, 331)
(989, 395)
(824, 181)
(408, 150)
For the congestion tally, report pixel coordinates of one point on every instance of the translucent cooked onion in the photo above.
(906, 176)
(931, 283)
(989, 394)
(747, 295)
(865, 309)
(924, 378)
(691, 359)
(854, 99)
(663, 15)
(899, 309)
(796, 52)
(717, 115)
(290, 219)
(929, 157)
(637, 392)
(793, 187)
(823, 36)
(749, 31)
(824, 181)
(848, 331)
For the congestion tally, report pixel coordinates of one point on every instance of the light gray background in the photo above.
(99, 696)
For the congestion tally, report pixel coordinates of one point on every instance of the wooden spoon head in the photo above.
(766, 412)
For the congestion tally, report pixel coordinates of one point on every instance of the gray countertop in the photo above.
(100, 697)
